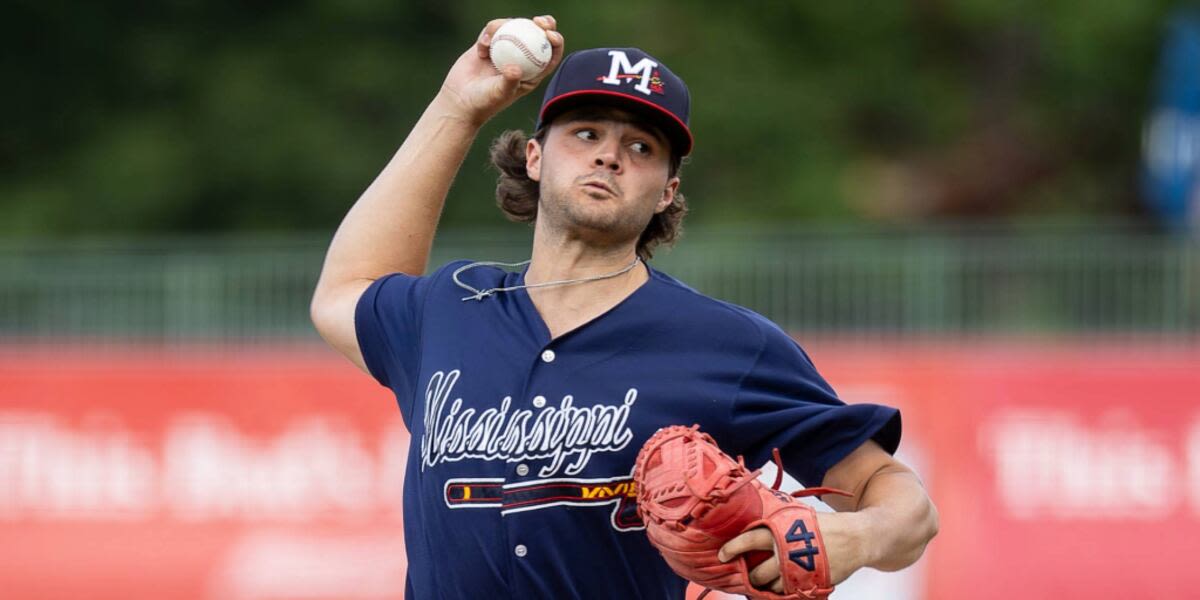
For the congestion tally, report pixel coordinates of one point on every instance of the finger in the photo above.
(556, 39)
(557, 42)
(777, 587)
(557, 46)
(484, 42)
(508, 82)
(758, 538)
(765, 573)
(511, 74)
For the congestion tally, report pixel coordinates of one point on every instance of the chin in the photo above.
(597, 219)
(607, 229)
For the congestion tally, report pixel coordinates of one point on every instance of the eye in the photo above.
(641, 148)
(586, 134)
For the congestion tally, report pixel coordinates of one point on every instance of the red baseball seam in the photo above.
(539, 63)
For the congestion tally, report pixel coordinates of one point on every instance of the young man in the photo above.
(528, 394)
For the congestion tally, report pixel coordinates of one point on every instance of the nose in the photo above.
(608, 156)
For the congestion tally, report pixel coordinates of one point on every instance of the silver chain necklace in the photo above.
(481, 294)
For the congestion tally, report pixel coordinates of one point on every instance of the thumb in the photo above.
(508, 81)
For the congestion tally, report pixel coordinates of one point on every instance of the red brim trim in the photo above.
(680, 125)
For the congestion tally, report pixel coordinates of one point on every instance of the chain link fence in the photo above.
(947, 282)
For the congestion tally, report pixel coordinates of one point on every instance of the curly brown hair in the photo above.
(517, 195)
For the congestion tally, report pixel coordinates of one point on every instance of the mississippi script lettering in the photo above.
(560, 433)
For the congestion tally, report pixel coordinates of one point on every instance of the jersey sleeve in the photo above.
(783, 402)
(387, 323)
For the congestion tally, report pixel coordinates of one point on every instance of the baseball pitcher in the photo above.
(584, 425)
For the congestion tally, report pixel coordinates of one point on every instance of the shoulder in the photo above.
(459, 277)
(690, 308)
(463, 269)
(443, 287)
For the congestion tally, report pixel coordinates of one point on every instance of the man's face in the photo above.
(602, 174)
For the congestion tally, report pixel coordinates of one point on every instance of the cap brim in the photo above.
(677, 131)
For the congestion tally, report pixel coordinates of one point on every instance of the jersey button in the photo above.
(548, 356)
(522, 470)
(520, 550)
(539, 401)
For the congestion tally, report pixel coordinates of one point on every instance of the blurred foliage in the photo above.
(182, 115)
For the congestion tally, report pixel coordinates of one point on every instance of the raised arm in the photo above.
(391, 227)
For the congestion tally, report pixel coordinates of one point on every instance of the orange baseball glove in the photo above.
(694, 498)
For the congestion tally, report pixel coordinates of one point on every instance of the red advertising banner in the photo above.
(265, 476)
(277, 474)
(1072, 470)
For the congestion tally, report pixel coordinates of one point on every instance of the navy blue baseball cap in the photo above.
(627, 78)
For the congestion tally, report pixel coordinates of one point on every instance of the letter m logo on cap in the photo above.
(623, 77)
(620, 70)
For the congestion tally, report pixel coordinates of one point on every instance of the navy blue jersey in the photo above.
(519, 478)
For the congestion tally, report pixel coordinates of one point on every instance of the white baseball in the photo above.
(521, 42)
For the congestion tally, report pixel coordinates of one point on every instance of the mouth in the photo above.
(599, 186)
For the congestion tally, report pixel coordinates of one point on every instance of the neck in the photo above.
(557, 258)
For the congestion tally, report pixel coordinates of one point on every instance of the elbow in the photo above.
(314, 307)
(930, 525)
(934, 523)
(320, 311)
(920, 531)
(332, 310)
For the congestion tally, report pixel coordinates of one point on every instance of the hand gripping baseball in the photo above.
(478, 90)
(694, 498)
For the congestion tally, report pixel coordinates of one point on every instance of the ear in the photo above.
(533, 159)
(668, 195)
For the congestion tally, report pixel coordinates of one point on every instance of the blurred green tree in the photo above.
(184, 116)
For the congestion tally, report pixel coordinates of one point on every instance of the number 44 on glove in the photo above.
(694, 498)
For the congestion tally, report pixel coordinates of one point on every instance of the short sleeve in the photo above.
(784, 403)
(387, 323)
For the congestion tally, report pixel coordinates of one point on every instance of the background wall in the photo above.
(276, 473)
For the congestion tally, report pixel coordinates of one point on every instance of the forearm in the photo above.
(897, 519)
(391, 226)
